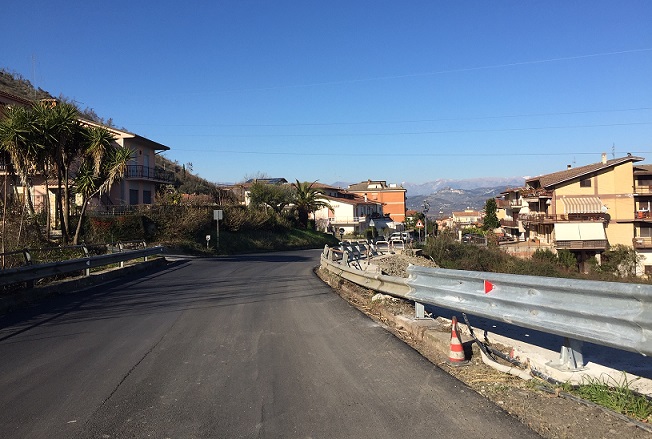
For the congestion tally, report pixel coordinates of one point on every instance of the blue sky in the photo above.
(349, 90)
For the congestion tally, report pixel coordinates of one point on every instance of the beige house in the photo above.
(466, 217)
(141, 179)
(584, 209)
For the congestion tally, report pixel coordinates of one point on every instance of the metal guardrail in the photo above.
(31, 273)
(612, 314)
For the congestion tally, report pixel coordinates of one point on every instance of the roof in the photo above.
(467, 213)
(375, 185)
(549, 180)
(355, 199)
(127, 135)
(643, 169)
(279, 180)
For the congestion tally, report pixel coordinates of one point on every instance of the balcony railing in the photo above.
(642, 242)
(509, 223)
(540, 218)
(144, 172)
(598, 244)
(642, 190)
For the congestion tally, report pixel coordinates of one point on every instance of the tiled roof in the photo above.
(549, 180)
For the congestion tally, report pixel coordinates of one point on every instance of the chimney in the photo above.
(569, 166)
(604, 158)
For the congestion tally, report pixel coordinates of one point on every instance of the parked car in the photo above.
(403, 236)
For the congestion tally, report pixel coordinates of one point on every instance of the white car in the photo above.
(403, 236)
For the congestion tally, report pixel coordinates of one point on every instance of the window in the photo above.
(645, 232)
(133, 196)
(147, 197)
(648, 269)
(585, 182)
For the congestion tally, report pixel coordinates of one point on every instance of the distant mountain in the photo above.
(447, 200)
(430, 187)
(448, 195)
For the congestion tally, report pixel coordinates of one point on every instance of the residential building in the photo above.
(351, 212)
(465, 218)
(142, 177)
(584, 209)
(392, 196)
(510, 205)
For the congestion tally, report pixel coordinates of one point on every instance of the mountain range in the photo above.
(447, 195)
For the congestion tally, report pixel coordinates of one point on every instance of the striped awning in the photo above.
(582, 205)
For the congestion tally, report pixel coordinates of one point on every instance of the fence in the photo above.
(611, 314)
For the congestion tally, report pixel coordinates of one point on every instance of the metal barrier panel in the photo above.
(606, 313)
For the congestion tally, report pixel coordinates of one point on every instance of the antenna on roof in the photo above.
(613, 150)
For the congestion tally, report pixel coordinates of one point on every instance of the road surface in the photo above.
(241, 347)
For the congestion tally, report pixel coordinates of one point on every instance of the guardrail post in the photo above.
(27, 256)
(87, 271)
(419, 311)
(570, 357)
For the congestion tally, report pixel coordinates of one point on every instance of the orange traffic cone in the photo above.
(456, 356)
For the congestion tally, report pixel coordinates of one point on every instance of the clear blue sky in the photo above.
(404, 91)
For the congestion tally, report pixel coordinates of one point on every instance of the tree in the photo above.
(490, 218)
(276, 196)
(17, 139)
(307, 199)
(63, 136)
(102, 165)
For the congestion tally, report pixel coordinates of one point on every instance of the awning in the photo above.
(582, 205)
(579, 232)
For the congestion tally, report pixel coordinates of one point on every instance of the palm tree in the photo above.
(63, 136)
(308, 199)
(18, 140)
(102, 166)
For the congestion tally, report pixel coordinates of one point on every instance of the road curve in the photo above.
(251, 346)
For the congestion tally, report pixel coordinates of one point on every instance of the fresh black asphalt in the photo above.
(251, 346)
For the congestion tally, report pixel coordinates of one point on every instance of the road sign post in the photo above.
(217, 216)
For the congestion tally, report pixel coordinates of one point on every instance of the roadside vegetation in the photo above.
(618, 263)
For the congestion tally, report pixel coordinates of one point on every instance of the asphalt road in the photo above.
(243, 347)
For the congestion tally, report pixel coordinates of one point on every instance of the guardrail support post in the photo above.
(570, 357)
(419, 311)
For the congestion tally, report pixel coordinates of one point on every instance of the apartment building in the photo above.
(393, 196)
(584, 209)
(349, 211)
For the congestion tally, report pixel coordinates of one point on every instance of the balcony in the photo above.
(541, 218)
(535, 194)
(145, 173)
(509, 223)
(598, 244)
(642, 242)
(642, 190)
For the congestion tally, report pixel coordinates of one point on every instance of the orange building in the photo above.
(392, 196)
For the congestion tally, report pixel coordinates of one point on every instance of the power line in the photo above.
(403, 154)
(504, 116)
(411, 133)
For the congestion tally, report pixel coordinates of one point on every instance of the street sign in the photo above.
(419, 225)
(218, 215)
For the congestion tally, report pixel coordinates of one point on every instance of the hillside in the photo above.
(447, 200)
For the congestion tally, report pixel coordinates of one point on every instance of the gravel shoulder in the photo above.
(544, 409)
